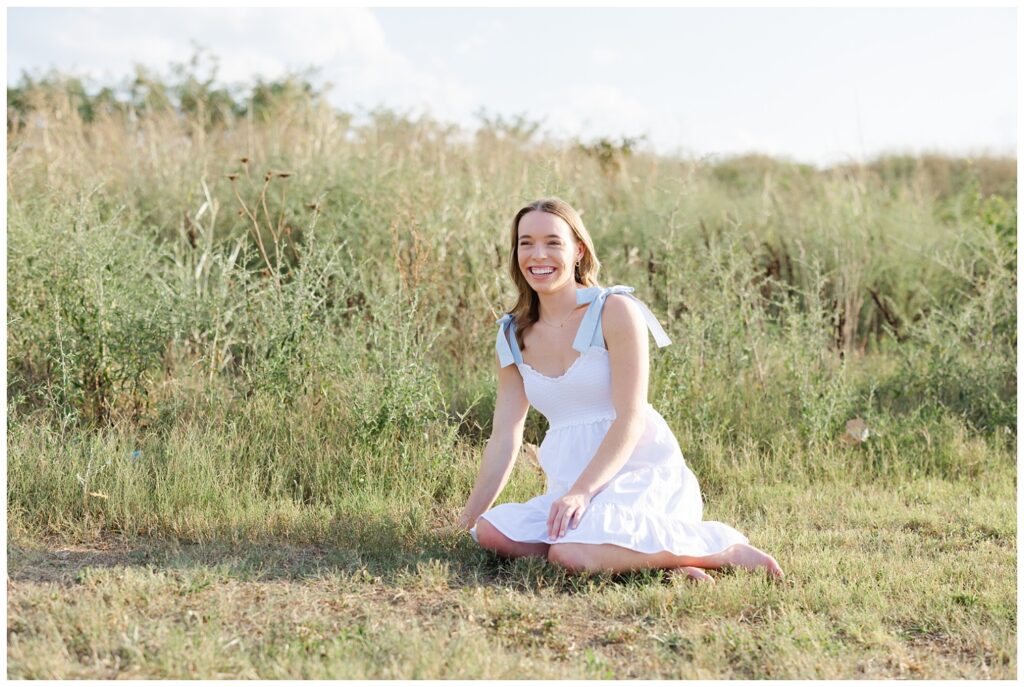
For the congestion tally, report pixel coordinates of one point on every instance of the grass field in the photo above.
(909, 580)
(250, 378)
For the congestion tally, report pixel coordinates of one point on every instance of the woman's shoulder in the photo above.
(622, 313)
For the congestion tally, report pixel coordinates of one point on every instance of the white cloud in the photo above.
(347, 45)
(470, 44)
(596, 110)
(775, 103)
(603, 56)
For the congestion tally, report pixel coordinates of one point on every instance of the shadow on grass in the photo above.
(380, 552)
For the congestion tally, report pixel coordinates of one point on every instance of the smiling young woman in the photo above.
(619, 495)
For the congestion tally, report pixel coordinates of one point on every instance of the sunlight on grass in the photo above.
(250, 377)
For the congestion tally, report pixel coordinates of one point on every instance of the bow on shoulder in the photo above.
(505, 356)
(592, 318)
(596, 296)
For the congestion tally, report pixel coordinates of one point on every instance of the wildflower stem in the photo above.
(270, 225)
(256, 233)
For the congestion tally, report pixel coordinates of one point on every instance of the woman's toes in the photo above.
(746, 556)
(697, 574)
(771, 566)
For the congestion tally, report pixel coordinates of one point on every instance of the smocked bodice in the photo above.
(583, 393)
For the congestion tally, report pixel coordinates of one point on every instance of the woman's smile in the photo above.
(541, 273)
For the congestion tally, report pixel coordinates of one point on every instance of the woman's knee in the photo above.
(573, 557)
(489, 537)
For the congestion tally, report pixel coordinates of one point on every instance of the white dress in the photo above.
(653, 503)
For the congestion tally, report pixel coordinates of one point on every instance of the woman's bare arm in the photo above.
(500, 453)
(626, 333)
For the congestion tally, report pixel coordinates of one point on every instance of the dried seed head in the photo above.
(232, 176)
(313, 206)
(284, 175)
(240, 212)
(244, 160)
(266, 177)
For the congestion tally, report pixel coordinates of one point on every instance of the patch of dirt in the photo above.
(60, 563)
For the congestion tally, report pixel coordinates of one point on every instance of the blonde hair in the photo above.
(527, 308)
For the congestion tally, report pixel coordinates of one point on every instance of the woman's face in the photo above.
(548, 251)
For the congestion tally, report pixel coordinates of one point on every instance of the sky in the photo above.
(813, 85)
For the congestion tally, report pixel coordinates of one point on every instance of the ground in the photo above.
(912, 586)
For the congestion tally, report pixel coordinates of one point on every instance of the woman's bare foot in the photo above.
(696, 574)
(746, 556)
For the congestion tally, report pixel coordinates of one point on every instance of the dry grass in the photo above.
(881, 583)
(243, 409)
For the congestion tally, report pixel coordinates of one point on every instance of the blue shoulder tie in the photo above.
(507, 356)
(590, 326)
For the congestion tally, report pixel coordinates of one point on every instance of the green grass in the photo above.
(236, 448)
(883, 581)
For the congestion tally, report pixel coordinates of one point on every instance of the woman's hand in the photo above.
(566, 512)
(465, 522)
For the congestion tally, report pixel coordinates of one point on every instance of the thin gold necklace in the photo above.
(563, 321)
